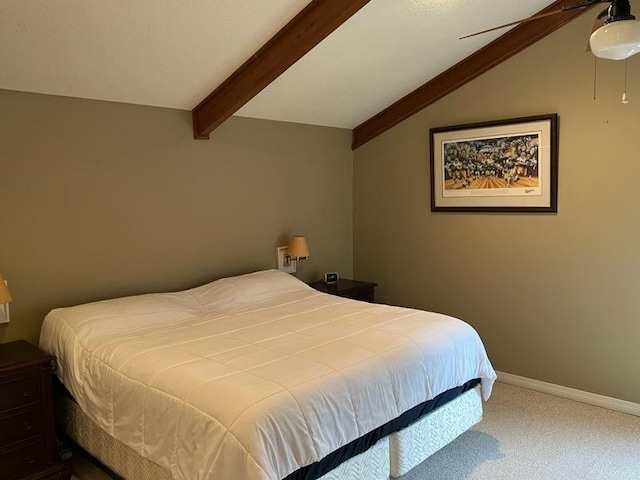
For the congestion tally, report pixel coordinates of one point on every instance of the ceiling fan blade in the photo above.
(587, 3)
(522, 20)
(598, 22)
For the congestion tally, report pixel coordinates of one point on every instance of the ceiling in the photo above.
(173, 53)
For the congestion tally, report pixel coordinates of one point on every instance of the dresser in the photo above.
(27, 428)
(354, 289)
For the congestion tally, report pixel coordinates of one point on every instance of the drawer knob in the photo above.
(30, 459)
(28, 426)
(24, 392)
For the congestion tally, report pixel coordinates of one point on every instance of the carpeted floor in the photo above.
(525, 435)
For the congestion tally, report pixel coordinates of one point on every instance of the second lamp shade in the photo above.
(298, 247)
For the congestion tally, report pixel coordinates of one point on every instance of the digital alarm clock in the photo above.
(331, 278)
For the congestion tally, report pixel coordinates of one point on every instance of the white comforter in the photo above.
(254, 376)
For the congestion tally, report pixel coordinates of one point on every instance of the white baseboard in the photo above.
(571, 393)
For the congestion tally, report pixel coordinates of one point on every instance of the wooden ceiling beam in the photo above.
(494, 53)
(307, 29)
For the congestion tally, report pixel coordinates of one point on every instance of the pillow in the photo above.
(251, 287)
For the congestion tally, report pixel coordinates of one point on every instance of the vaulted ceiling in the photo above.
(175, 53)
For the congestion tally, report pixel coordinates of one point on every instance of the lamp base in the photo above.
(285, 263)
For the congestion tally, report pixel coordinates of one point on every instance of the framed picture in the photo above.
(500, 166)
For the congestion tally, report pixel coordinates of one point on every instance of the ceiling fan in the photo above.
(615, 34)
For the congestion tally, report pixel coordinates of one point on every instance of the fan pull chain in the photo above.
(625, 100)
(595, 75)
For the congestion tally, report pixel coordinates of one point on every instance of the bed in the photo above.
(261, 377)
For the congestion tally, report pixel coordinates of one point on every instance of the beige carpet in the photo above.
(525, 435)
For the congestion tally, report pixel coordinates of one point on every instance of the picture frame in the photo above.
(498, 166)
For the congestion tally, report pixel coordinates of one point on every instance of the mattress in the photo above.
(258, 374)
(392, 456)
(373, 464)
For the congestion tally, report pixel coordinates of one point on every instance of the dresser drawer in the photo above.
(20, 461)
(19, 392)
(20, 426)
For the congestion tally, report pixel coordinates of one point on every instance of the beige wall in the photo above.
(102, 199)
(555, 297)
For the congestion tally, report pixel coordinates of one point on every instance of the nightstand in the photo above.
(354, 289)
(27, 429)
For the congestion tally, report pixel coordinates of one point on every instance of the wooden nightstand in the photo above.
(27, 429)
(354, 289)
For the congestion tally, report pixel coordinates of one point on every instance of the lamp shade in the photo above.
(5, 296)
(616, 40)
(298, 247)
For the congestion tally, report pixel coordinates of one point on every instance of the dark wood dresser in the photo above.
(354, 289)
(27, 429)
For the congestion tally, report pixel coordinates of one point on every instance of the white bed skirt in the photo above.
(390, 457)
(370, 465)
(414, 444)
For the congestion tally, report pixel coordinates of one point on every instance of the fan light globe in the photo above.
(616, 40)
